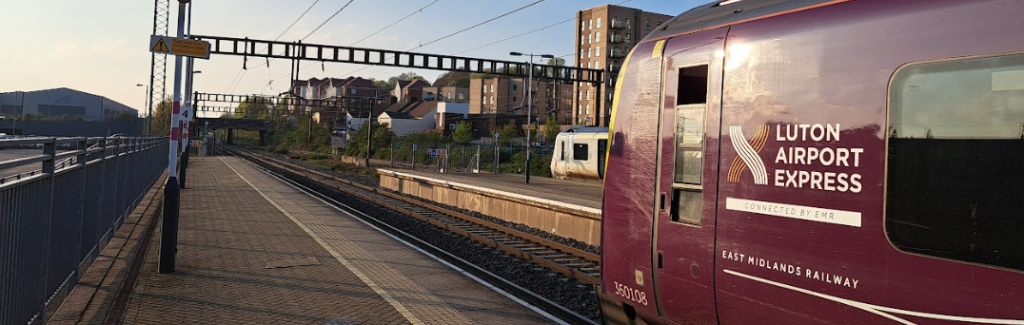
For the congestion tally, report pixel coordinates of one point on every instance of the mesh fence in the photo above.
(465, 158)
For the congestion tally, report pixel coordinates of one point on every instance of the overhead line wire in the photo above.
(459, 32)
(394, 23)
(240, 71)
(328, 19)
(479, 24)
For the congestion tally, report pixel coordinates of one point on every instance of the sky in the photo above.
(101, 47)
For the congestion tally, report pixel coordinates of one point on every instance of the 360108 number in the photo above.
(630, 293)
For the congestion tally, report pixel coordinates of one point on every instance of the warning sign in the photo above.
(160, 47)
(179, 46)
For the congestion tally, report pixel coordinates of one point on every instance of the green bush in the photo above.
(277, 150)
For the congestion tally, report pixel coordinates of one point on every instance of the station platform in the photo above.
(254, 250)
(564, 207)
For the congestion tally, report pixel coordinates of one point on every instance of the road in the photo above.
(11, 154)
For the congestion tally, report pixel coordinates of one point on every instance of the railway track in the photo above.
(554, 256)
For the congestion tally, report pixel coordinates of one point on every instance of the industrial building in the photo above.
(62, 103)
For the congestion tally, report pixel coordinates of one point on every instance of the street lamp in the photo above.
(146, 103)
(529, 110)
(191, 85)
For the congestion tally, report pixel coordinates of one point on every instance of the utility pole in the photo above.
(369, 133)
(529, 110)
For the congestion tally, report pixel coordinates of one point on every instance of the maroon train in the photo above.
(819, 162)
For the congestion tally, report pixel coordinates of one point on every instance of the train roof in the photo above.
(723, 13)
(586, 129)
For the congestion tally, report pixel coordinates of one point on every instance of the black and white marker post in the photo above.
(172, 193)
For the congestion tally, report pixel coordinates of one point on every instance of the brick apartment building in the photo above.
(604, 35)
(409, 90)
(508, 96)
(446, 94)
(314, 88)
(351, 88)
(494, 95)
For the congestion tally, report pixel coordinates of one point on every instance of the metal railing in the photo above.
(55, 220)
(450, 157)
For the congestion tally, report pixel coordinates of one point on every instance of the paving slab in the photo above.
(254, 250)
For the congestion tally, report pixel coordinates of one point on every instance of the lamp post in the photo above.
(146, 104)
(191, 85)
(190, 107)
(529, 110)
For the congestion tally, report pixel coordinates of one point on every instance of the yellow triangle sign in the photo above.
(160, 46)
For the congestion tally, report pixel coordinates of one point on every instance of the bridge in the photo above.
(232, 124)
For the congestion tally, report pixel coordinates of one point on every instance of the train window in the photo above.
(691, 96)
(954, 178)
(579, 151)
(691, 99)
(692, 86)
(689, 144)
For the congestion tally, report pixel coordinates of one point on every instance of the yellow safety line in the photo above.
(369, 282)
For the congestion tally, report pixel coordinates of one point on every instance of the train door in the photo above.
(684, 231)
(602, 149)
(558, 160)
(578, 155)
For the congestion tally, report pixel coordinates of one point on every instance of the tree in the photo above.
(551, 129)
(160, 122)
(404, 76)
(463, 132)
(507, 132)
(556, 61)
(254, 107)
(125, 117)
(382, 138)
(383, 86)
(453, 79)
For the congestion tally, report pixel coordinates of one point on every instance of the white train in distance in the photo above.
(580, 153)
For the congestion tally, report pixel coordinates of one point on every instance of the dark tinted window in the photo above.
(579, 151)
(561, 150)
(693, 85)
(955, 185)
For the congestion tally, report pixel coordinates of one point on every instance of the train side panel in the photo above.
(629, 199)
(808, 244)
(579, 154)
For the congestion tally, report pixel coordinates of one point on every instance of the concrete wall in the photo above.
(444, 108)
(405, 126)
(73, 129)
(557, 218)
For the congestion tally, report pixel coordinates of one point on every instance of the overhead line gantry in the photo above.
(298, 51)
